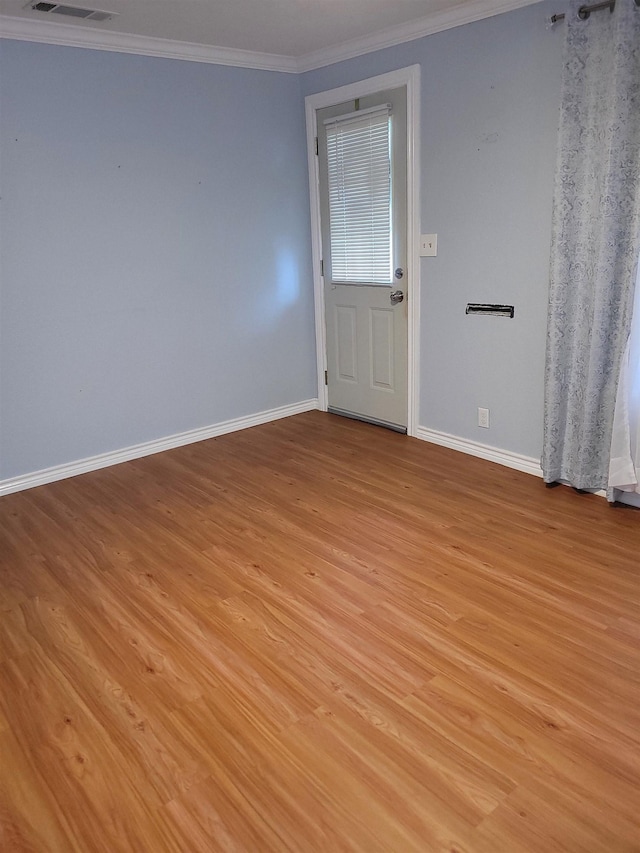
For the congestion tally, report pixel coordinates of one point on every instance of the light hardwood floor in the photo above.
(316, 635)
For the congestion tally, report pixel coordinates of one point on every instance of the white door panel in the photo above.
(366, 369)
(346, 343)
(381, 341)
(366, 335)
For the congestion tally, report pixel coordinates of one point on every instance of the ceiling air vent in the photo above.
(71, 11)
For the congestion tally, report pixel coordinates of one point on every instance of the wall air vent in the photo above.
(71, 11)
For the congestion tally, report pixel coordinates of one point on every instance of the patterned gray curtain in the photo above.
(595, 241)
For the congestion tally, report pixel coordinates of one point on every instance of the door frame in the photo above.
(410, 78)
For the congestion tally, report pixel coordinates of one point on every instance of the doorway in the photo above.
(366, 307)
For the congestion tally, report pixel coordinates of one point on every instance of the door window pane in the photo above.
(359, 177)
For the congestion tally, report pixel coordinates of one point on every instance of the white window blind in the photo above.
(359, 173)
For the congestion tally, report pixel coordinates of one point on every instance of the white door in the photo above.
(363, 189)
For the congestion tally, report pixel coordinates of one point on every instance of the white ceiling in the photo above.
(287, 28)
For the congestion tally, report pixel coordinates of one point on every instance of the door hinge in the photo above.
(316, 146)
(326, 377)
(322, 268)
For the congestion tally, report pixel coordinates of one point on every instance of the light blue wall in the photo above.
(155, 265)
(490, 98)
(155, 262)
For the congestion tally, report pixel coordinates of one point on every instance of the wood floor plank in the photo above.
(317, 635)
(31, 817)
(97, 790)
(526, 744)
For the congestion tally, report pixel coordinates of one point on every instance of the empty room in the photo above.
(320, 426)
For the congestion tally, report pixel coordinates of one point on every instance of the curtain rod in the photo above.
(585, 11)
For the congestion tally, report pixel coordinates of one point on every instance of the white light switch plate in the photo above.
(428, 245)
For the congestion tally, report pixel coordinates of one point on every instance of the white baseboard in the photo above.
(137, 451)
(629, 498)
(505, 457)
(493, 454)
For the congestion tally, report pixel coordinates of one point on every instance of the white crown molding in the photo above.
(137, 451)
(484, 451)
(445, 19)
(77, 35)
(74, 35)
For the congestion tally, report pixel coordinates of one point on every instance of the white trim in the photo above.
(527, 464)
(413, 247)
(84, 35)
(445, 19)
(76, 35)
(484, 451)
(316, 254)
(409, 77)
(103, 460)
(629, 498)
